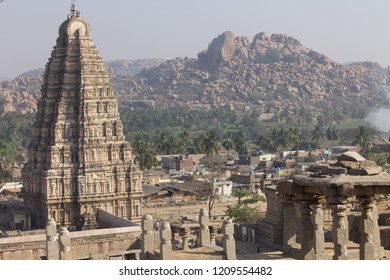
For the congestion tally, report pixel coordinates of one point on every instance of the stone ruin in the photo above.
(168, 234)
(351, 183)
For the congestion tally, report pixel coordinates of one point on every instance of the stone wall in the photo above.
(23, 247)
(95, 244)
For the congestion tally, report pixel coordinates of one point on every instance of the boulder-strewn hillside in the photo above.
(132, 67)
(269, 75)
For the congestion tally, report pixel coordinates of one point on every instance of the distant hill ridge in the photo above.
(266, 75)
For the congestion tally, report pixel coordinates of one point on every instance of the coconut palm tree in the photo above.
(171, 144)
(185, 140)
(362, 138)
(267, 142)
(210, 143)
(139, 143)
(318, 133)
(228, 142)
(146, 159)
(294, 136)
(331, 134)
(240, 143)
(161, 143)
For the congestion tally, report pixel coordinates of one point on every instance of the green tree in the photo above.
(331, 134)
(241, 212)
(211, 146)
(146, 159)
(185, 140)
(362, 138)
(318, 133)
(241, 143)
(228, 142)
(171, 144)
(210, 143)
(294, 136)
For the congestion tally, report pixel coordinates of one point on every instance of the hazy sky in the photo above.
(344, 30)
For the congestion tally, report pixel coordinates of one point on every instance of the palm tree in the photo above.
(139, 143)
(294, 136)
(362, 138)
(210, 143)
(267, 142)
(161, 143)
(240, 143)
(228, 142)
(331, 134)
(146, 159)
(318, 133)
(280, 137)
(171, 144)
(185, 141)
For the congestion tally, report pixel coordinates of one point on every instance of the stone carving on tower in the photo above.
(78, 159)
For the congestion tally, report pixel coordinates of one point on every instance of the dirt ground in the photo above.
(173, 213)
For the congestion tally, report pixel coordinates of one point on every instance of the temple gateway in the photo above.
(78, 159)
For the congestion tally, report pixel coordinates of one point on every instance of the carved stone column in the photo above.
(185, 234)
(204, 233)
(229, 243)
(213, 233)
(366, 248)
(64, 240)
(52, 247)
(289, 219)
(379, 250)
(147, 235)
(317, 218)
(306, 229)
(338, 205)
(165, 239)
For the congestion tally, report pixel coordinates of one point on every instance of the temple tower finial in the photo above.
(72, 9)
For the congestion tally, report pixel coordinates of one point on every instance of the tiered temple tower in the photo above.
(79, 160)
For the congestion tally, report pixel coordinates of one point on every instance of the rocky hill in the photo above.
(132, 67)
(268, 75)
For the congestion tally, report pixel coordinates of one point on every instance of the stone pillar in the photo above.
(379, 250)
(147, 235)
(317, 218)
(338, 205)
(204, 232)
(64, 240)
(307, 231)
(366, 248)
(185, 234)
(229, 243)
(52, 247)
(289, 218)
(165, 241)
(213, 233)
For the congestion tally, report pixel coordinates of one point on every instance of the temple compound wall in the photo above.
(348, 186)
(59, 243)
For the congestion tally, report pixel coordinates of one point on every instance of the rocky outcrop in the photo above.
(223, 49)
(268, 75)
(20, 95)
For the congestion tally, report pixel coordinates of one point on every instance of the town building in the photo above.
(178, 162)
